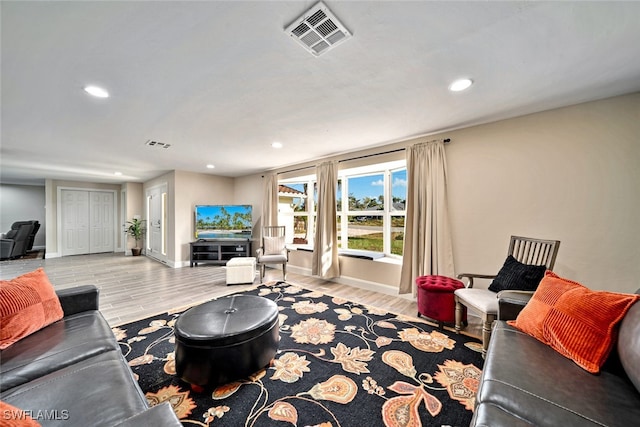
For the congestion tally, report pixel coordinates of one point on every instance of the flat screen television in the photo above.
(223, 222)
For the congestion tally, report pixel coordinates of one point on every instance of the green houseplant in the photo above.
(135, 229)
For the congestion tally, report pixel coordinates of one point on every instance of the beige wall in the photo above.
(248, 190)
(195, 189)
(570, 174)
(375, 275)
(134, 205)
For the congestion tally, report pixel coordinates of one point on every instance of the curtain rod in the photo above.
(447, 140)
(444, 140)
(296, 170)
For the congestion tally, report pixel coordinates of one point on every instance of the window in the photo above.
(374, 219)
(364, 227)
(370, 204)
(398, 209)
(296, 210)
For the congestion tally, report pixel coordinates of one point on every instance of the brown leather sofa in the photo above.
(73, 373)
(527, 383)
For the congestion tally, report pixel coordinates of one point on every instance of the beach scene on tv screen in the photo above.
(219, 222)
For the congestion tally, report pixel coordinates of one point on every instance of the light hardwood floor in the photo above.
(132, 288)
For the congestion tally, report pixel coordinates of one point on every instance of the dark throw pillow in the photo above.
(516, 276)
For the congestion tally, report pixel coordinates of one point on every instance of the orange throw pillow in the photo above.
(28, 303)
(575, 321)
(12, 416)
(531, 318)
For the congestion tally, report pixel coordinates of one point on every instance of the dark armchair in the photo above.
(32, 236)
(16, 241)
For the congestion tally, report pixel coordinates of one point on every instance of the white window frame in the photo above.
(385, 169)
(310, 213)
(390, 212)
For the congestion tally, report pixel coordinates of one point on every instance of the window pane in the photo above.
(398, 190)
(315, 196)
(299, 203)
(365, 233)
(339, 196)
(366, 193)
(397, 234)
(300, 229)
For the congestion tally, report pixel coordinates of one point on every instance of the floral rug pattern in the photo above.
(339, 364)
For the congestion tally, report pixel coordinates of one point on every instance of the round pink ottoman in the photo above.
(435, 298)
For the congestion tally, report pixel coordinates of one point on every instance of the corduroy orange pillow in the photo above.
(531, 318)
(15, 417)
(28, 303)
(575, 321)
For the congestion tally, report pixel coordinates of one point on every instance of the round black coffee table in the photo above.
(226, 339)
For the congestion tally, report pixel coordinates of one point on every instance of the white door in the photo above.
(101, 222)
(156, 221)
(75, 222)
(86, 222)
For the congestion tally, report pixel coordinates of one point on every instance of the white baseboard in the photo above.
(179, 264)
(357, 283)
(297, 270)
(372, 286)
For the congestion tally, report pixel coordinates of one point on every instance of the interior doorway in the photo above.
(156, 238)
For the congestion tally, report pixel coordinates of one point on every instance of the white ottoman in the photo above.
(241, 270)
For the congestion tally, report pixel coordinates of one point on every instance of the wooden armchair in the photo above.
(525, 250)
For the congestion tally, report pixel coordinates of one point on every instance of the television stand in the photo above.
(218, 251)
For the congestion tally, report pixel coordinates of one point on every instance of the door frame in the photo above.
(162, 188)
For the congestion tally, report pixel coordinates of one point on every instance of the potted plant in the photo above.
(135, 229)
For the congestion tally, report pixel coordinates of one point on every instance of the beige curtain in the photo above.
(325, 248)
(427, 242)
(270, 201)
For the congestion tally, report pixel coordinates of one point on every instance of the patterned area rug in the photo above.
(339, 364)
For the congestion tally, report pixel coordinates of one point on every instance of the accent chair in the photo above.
(527, 260)
(272, 250)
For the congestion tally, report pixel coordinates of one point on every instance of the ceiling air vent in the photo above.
(157, 144)
(318, 30)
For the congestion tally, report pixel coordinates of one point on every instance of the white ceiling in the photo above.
(220, 80)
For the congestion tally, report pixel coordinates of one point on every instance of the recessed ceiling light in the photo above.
(276, 144)
(117, 173)
(460, 84)
(96, 91)
(210, 166)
